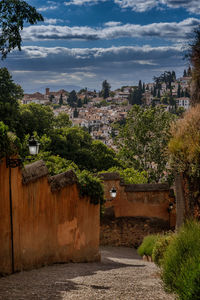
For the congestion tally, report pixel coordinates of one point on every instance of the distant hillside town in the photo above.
(98, 111)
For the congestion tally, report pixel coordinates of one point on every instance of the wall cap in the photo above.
(59, 181)
(34, 171)
(110, 176)
(146, 187)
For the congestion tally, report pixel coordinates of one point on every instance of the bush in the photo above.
(181, 263)
(91, 186)
(146, 248)
(160, 247)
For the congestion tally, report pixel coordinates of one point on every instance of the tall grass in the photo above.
(181, 263)
(146, 248)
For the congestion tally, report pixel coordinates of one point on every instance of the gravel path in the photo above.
(120, 275)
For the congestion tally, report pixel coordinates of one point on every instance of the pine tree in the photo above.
(184, 73)
(179, 91)
(79, 103)
(72, 99)
(140, 85)
(105, 92)
(61, 100)
(76, 113)
(143, 87)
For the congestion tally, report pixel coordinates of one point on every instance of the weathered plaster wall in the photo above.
(138, 200)
(51, 223)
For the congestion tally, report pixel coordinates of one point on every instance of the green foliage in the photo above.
(181, 264)
(146, 248)
(62, 120)
(194, 56)
(160, 247)
(72, 99)
(13, 15)
(35, 117)
(91, 186)
(102, 156)
(184, 145)
(136, 96)
(143, 141)
(61, 100)
(10, 93)
(9, 143)
(4, 142)
(129, 175)
(105, 92)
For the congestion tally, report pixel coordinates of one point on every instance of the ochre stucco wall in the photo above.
(134, 203)
(48, 226)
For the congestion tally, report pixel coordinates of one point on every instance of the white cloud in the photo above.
(112, 23)
(137, 5)
(36, 67)
(177, 31)
(83, 2)
(144, 5)
(45, 8)
(52, 21)
(190, 5)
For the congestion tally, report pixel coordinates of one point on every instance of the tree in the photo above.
(105, 89)
(179, 91)
(140, 85)
(143, 141)
(143, 87)
(184, 73)
(136, 97)
(61, 100)
(13, 15)
(10, 93)
(79, 104)
(103, 157)
(72, 99)
(75, 113)
(35, 117)
(184, 152)
(62, 120)
(194, 56)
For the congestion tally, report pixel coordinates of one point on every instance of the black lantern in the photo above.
(33, 150)
(33, 146)
(113, 192)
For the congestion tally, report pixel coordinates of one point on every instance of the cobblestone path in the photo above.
(120, 275)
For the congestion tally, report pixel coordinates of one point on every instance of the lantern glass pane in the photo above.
(33, 150)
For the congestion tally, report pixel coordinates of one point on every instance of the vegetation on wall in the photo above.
(129, 175)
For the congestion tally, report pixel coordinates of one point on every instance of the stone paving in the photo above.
(121, 274)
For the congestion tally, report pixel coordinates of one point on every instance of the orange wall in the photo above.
(48, 226)
(138, 203)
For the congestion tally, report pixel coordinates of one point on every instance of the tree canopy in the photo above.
(105, 92)
(143, 141)
(10, 93)
(13, 15)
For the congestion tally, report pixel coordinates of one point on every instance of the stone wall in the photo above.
(49, 220)
(129, 231)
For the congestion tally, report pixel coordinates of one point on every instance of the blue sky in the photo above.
(83, 42)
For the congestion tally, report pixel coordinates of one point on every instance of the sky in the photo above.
(83, 42)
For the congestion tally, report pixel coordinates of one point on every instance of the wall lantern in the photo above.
(170, 207)
(113, 192)
(33, 150)
(33, 146)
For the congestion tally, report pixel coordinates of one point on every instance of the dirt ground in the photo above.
(121, 274)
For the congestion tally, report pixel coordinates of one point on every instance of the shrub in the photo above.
(91, 186)
(146, 248)
(160, 247)
(181, 263)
